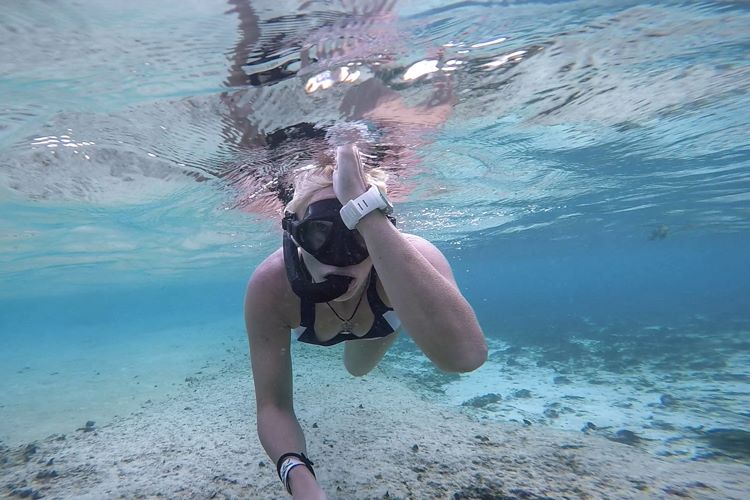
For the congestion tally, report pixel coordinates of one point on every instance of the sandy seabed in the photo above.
(370, 437)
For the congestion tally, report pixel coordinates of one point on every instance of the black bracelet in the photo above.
(306, 461)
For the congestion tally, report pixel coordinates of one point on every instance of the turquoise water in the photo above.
(589, 182)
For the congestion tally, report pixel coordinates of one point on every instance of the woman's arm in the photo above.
(268, 333)
(417, 280)
(419, 284)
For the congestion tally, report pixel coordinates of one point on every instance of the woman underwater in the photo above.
(346, 274)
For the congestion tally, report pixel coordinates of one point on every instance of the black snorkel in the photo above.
(301, 281)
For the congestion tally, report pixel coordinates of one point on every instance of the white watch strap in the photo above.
(355, 209)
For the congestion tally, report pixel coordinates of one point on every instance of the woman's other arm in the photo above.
(268, 334)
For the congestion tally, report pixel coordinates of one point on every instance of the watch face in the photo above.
(388, 209)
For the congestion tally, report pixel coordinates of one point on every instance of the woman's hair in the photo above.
(312, 178)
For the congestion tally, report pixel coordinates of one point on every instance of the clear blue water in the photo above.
(590, 186)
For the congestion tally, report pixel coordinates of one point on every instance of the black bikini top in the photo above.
(386, 321)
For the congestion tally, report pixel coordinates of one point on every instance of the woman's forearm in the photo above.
(279, 432)
(429, 304)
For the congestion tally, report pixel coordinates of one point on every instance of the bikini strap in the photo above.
(307, 313)
(376, 303)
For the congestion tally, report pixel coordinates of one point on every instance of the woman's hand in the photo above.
(348, 176)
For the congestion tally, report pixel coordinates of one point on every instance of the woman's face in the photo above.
(319, 271)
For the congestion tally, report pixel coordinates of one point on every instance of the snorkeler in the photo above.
(346, 274)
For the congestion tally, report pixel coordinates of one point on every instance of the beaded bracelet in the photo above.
(287, 462)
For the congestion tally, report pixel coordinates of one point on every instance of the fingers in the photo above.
(346, 153)
(348, 176)
(348, 158)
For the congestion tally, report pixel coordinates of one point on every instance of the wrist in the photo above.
(301, 479)
(352, 194)
(288, 463)
(373, 219)
(371, 200)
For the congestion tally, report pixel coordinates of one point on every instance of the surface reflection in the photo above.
(289, 87)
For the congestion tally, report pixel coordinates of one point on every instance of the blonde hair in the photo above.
(310, 179)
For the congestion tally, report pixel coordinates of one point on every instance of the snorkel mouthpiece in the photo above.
(333, 287)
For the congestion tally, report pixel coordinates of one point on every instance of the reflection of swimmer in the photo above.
(659, 233)
(346, 274)
(265, 75)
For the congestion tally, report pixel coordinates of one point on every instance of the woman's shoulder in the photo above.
(269, 286)
(272, 265)
(431, 253)
(424, 246)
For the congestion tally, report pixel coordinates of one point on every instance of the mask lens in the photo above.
(346, 248)
(323, 234)
(314, 234)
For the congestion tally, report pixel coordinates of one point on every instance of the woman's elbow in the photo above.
(466, 361)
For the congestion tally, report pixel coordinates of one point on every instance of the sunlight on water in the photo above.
(620, 104)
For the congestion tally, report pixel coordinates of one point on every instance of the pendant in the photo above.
(346, 328)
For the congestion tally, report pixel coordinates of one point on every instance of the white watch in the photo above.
(370, 200)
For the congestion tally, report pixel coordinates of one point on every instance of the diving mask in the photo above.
(323, 234)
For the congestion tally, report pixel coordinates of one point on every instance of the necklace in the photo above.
(347, 327)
